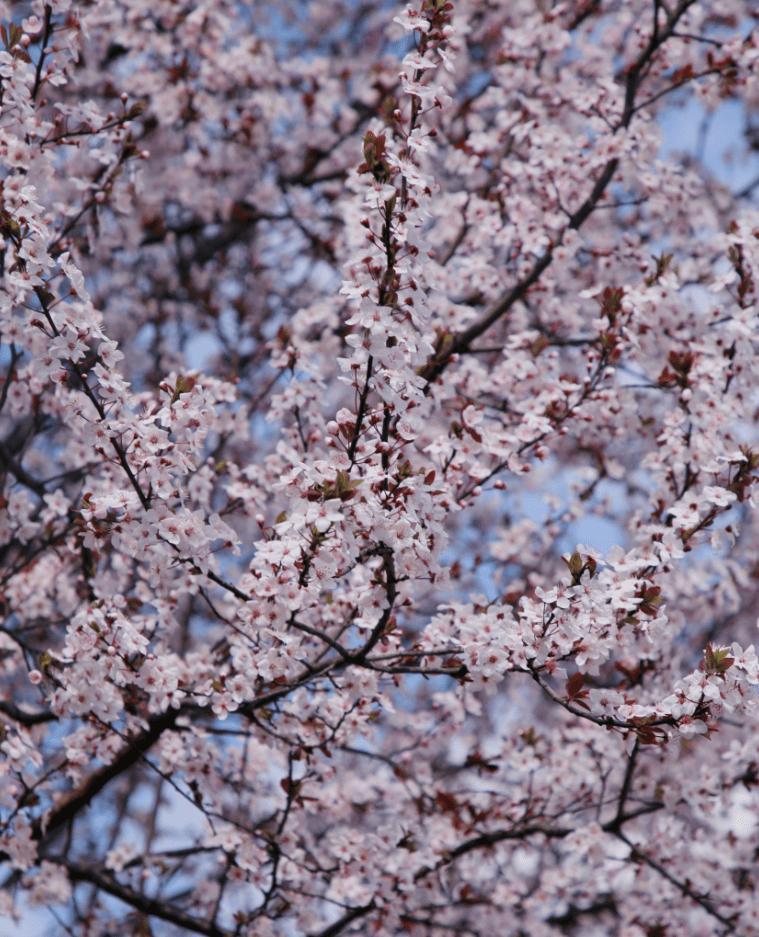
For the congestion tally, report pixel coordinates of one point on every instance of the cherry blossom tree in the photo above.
(304, 308)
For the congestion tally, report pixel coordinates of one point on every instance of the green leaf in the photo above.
(404, 470)
(184, 385)
(718, 659)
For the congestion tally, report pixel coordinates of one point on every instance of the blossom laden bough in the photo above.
(294, 331)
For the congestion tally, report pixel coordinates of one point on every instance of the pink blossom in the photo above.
(318, 358)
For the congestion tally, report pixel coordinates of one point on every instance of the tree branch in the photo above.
(26, 719)
(150, 906)
(461, 343)
(69, 806)
(353, 915)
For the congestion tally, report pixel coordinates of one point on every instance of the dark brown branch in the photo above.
(391, 591)
(682, 887)
(361, 411)
(486, 840)
(354, 914)
(15, 356)
(149, 906)
(8, 463)
(66, 809)
(461, 343)
(26, 719)
(616, 823)
(46, 33)
(87, 390)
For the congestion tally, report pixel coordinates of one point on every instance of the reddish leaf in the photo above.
(446, 802)
(575, 684)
